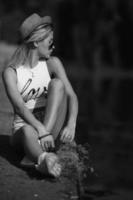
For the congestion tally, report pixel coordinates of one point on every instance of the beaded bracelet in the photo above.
(45, 135)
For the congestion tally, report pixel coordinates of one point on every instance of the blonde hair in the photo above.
(20, 56)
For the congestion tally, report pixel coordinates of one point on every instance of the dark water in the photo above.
(112, 159)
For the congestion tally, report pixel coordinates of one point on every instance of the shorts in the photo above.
(18, 122)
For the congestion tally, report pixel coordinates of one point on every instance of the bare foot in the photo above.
(49, 164)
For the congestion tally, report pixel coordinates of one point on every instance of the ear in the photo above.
(36, 44)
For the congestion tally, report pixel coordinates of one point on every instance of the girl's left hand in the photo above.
(47, 143)
(67, 134)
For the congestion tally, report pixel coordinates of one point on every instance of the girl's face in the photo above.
(45, 46)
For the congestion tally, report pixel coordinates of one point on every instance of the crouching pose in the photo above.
(45, 105)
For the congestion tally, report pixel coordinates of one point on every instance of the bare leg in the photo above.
(56, 107)
(31, 145)
(26, 139)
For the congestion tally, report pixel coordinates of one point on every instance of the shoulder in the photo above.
(9, 73)
(54, 63)
(53, 59)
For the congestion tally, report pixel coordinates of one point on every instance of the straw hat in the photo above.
(31, 23)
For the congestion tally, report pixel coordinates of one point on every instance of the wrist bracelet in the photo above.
(45, 135)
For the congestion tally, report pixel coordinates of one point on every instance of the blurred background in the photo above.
(94, 40)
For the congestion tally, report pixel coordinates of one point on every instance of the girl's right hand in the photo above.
(47, 143)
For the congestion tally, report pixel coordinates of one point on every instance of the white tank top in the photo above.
(33, 83)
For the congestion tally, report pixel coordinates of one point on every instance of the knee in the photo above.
(57, 85)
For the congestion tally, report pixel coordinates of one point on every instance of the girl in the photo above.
(45, 105)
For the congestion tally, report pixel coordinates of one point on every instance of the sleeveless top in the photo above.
(32, 83)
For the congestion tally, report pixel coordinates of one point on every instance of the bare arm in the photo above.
(10, 80)
(59, 71)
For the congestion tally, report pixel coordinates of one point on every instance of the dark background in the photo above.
(94, 39)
